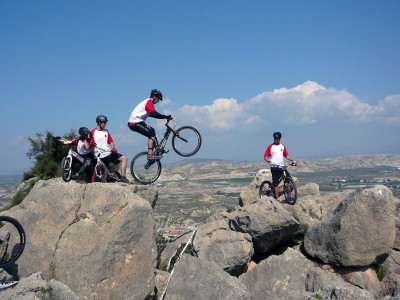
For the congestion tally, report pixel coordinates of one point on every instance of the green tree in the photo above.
(47, 154)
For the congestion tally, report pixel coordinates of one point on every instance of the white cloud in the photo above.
(312, 103)
(222, 114)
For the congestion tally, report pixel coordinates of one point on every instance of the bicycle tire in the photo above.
(99, 174)
(143, 170)
(290, 188)
(266, 189)
(16, 240)
(66, 168)
(186, 141)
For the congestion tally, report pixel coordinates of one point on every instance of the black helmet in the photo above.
(83, 131)
(101, 118)
(156, 93)
(277, 135)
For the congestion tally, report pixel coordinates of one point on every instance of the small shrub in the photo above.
(230, 209)
(20, 196)
(52, 270)
(161, 243)
(381, 271)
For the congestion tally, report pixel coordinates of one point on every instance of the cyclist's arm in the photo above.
(157, 115)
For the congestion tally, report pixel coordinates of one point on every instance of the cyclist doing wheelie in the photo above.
(274, 155)
(137, 122)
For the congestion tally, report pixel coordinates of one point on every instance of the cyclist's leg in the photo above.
(147, 131)
(276, 175)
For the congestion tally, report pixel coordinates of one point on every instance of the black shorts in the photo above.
(143, 129)
(112, 158)
(277, 174)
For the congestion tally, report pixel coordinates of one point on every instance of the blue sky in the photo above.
(324, 73)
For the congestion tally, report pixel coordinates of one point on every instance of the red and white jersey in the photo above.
(102, 139)
(80, 147)
(276, 153)
(142, 111)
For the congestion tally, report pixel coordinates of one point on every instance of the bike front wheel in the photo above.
(143, 170)
(66, 168)
(12, 240)
(186, 141)
(290, 191)
(266, 189)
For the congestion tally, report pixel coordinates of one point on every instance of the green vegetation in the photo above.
(317, 296)
(381, 271)
(20, 196)
(230, 209)
(161, 242)
(189, 250)
(52, 270)
(47, 154)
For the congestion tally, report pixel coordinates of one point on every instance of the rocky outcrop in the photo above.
(292, 276)
(360, 232)
(35, 287)
(267, 222)
(198, 278)
(231, 250)
(98, 239)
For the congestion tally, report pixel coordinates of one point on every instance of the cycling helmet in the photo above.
(83, 131)
(156, 93)
(101, 118)
(277, 135)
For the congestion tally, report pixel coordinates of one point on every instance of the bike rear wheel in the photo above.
(143, 170)
(66, 168)
(290, 191)
(99, 174)
(186, 141)
(12, 240)
(266, 189)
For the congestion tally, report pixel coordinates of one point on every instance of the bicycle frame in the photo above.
(164, 140)
(101, 166)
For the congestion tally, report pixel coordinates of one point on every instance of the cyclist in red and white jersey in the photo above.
(102, 138)
(138, 117)
(274, 155)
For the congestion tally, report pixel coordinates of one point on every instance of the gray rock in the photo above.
(360, 232)
(251, 194)
(35, 287)
(292, 276)
(200, 279)
(170, 249)
(231, 250)
(98, 238)
(268, 223)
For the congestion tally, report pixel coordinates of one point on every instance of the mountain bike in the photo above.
(186, 141)
(289, 187)
(12, 240)
(101, 173)
(66, 163)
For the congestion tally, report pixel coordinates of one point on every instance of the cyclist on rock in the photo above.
(137, 122)
(274, 156)
(102, 138)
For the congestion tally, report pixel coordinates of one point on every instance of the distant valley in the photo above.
(192, 190)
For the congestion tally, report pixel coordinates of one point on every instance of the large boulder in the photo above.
(360, 232)
(200, 279)
(231, 250)
(268, 223)
(251, 193)
(96, 238)
(292, 276)
(35, 287)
